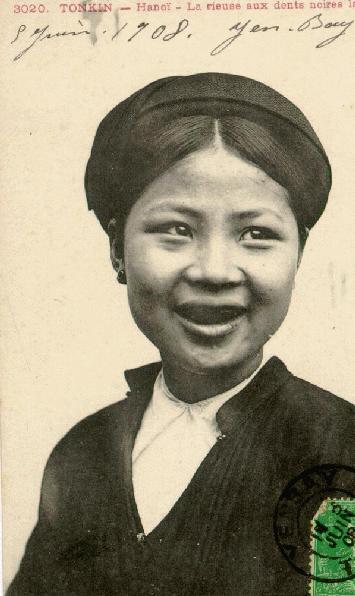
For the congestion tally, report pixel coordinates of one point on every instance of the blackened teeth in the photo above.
(208, 315)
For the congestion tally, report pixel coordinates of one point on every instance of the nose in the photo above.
(216, 262)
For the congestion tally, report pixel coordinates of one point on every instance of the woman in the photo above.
(207, 186)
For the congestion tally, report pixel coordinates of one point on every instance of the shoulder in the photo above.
(80, 462)
(314, 400)
(97, 431)
(91, 432)
(79, 470)
(317, 419)
(296, 396)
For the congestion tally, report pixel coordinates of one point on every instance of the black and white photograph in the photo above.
(177, 300)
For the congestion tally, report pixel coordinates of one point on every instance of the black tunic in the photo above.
(218, 539)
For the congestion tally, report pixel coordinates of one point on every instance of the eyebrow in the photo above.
(236, 215)
(168, 207)
(254, 213)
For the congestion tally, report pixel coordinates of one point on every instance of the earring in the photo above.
(121, 276)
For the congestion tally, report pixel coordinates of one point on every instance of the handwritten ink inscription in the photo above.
(43, 33)
(313, 23)
(333, 30)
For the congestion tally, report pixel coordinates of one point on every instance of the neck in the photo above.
(193, 386)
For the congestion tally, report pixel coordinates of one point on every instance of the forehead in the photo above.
(214, 179)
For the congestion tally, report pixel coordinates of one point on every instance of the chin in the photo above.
(212, 360)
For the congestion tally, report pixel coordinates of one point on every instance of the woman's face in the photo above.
(211, 251)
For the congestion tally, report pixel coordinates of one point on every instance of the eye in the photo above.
(177, 229)
(257, 233)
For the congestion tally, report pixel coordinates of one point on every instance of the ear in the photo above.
(116, 252)
(299, 259)
(303, 233)
(300, 255)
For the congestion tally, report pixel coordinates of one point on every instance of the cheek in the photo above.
(155, 268)
(148, 283)
(273, 282)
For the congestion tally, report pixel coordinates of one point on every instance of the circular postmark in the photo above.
(314, 523)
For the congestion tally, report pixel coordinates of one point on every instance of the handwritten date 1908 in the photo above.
(44, 33)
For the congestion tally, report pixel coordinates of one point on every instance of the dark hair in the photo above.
(145, 134)
(154, 149)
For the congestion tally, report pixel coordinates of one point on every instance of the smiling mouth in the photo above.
(210, 321)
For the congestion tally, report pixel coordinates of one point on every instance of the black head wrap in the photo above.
(112, 182)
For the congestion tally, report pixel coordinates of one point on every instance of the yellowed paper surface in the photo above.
(67, 335)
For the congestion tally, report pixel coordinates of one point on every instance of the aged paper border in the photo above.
(67, 334)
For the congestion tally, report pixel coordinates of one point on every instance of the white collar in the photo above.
(206, 408)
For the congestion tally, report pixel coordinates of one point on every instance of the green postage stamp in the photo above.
(333, 548)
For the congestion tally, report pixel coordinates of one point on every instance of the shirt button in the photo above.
(141, 537)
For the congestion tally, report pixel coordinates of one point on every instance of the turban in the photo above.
(119, 151)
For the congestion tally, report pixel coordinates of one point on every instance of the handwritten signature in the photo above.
(316, 22)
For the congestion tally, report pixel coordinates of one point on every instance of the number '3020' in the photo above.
(24, 8)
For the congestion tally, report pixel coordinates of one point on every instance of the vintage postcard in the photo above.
(177, 298)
